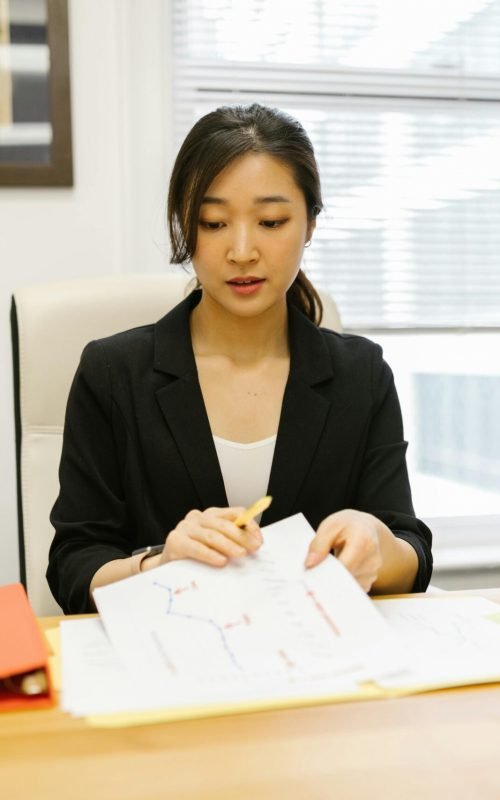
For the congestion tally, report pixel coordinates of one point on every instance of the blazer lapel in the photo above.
(303, 416)
(182, 406)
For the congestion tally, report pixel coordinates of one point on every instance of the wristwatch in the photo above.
(152, 550)
(142, 553)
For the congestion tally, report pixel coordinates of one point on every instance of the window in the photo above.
(402, 103)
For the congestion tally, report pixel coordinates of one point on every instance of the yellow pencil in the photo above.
(252, 511)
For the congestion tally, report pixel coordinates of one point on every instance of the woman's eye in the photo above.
(210, 226)
(273, 223)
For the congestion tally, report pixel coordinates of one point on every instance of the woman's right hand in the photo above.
(212, 537)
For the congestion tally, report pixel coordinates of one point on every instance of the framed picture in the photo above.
(35, 108)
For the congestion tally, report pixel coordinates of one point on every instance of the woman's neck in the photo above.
(217, 332)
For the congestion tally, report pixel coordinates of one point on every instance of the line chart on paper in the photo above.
(262, 624)
(197, 633)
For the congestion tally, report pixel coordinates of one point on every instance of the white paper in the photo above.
(94, 681)
(262, 626)
(449, 641)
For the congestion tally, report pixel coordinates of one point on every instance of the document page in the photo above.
(449, 641)
(94, 681)
(261, 627)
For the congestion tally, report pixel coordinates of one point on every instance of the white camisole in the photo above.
(245, 469)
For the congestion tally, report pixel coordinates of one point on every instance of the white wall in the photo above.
(111, 220)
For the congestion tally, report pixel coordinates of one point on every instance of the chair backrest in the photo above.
(51, 324)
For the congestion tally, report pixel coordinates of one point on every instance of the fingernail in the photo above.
(312, 559)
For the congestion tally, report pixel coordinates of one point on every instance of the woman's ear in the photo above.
(311, 226)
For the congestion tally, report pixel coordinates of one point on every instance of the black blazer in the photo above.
(138, 453)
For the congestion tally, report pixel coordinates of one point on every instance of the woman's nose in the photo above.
(242, 248)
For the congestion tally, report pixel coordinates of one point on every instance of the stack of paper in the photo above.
(186, 639)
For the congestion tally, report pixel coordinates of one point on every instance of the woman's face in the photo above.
(251, 233)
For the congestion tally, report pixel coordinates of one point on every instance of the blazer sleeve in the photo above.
(89, 516)
(384, 488)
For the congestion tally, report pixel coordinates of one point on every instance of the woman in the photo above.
(172, 428)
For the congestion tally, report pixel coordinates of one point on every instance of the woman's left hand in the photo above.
(352, 536)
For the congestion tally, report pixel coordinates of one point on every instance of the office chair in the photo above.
(51, 324)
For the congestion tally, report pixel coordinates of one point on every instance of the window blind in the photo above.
(402, 103)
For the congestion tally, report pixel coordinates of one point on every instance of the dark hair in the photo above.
(214, 141)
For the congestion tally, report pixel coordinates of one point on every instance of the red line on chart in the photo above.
(186, 588)
(329, 621)
(286, 658)
(245, 620)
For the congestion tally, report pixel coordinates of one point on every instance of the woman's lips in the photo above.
(248, 285)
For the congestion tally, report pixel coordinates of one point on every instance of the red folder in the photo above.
(22, 649)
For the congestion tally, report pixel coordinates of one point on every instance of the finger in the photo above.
(228, 512)
(366, 581)
(250, 531)
(218, 541)
(360, 554)
(365, 578)
(351, 557)
(247, 538)
(200, 552)
(253, 529)
(327, 538)
(198, 528)
(179, 545)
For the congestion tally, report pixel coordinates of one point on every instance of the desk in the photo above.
(437, 745)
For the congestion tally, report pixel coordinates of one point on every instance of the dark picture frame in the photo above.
(58, 171)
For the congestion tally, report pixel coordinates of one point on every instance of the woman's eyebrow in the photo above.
(216, 201)
(272, 198)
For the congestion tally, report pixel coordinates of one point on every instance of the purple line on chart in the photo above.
(220, 629)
